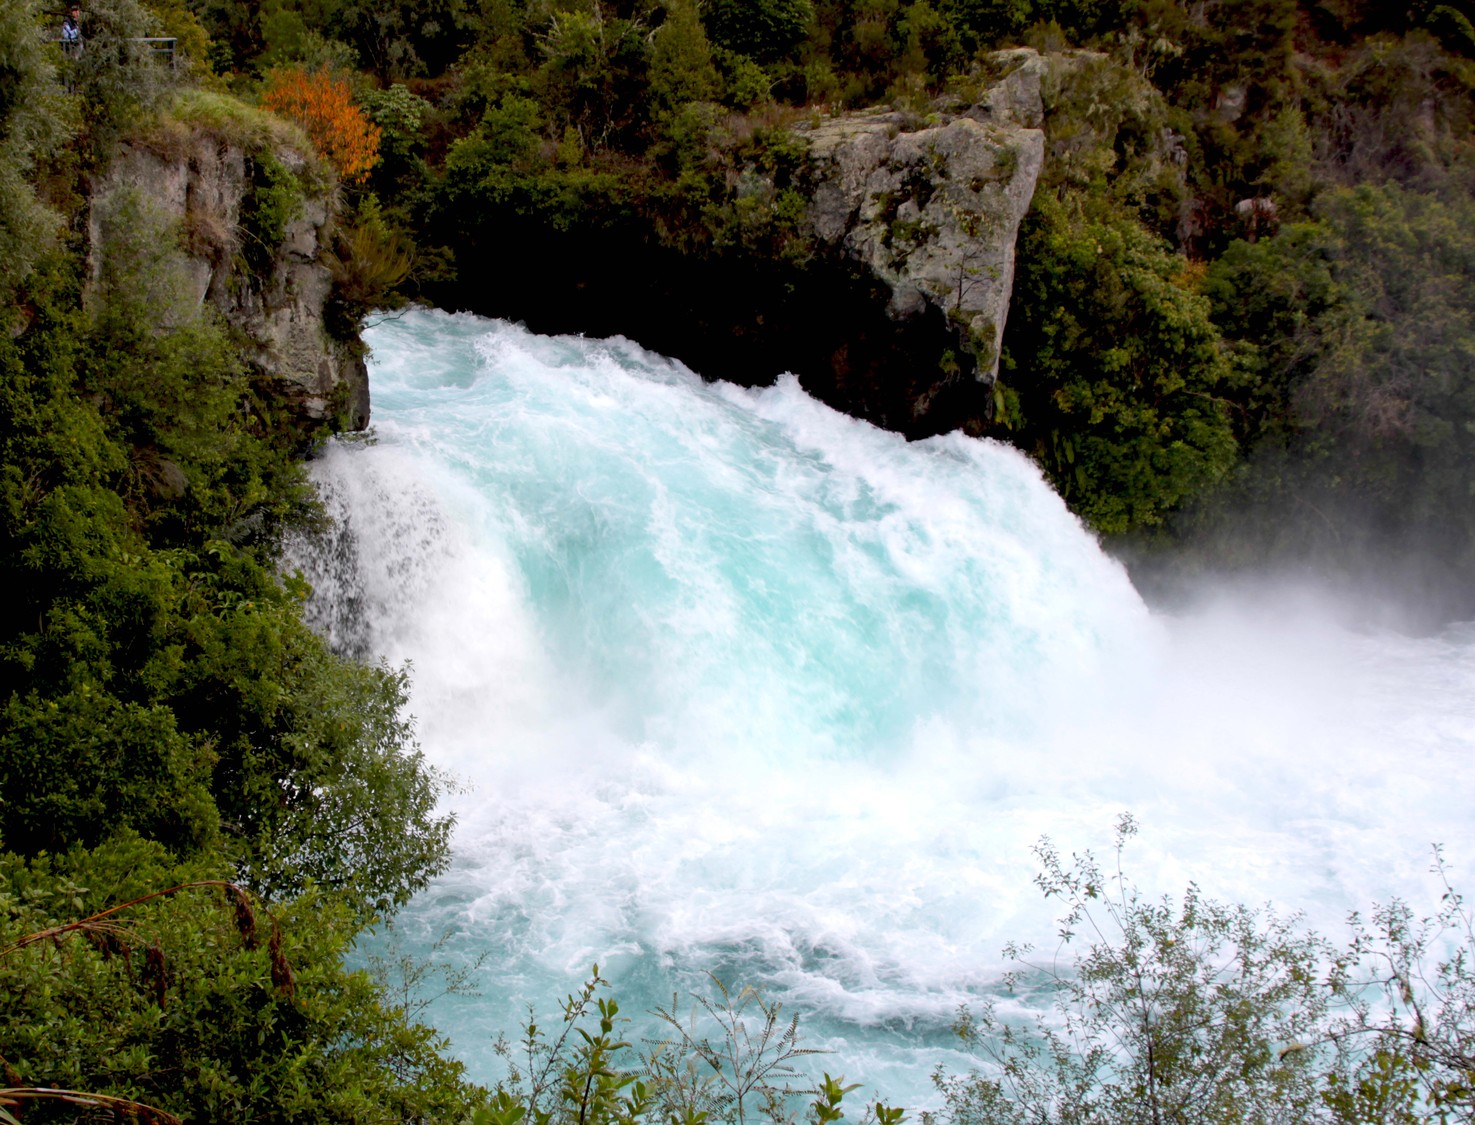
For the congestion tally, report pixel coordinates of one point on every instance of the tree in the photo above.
(1117, 366)
(323, 106)
(765, 30)
(400, 116)
(33, 120)
(128, 976)
(594, 74)
(403, 38)
(328, 790)
(681, 69)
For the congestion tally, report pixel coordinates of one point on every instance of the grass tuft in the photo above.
(193, 113)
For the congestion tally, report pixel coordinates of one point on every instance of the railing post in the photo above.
(163, 45)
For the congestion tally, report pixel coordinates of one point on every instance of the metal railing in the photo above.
(162, 48)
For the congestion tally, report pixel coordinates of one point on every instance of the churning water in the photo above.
(735, 684)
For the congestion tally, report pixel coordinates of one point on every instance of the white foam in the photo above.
(742, 684)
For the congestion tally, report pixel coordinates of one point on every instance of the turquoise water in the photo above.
(736, 685)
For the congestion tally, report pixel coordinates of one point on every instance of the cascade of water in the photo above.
(739, 685)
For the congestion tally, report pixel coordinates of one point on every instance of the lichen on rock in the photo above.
(932, 207)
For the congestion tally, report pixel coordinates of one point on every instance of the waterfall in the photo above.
(734, 684)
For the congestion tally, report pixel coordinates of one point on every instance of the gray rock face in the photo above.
(932, 208)
(192, 201)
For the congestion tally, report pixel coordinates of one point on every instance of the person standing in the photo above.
(71, 31)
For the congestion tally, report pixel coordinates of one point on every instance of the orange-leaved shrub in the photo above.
(323, 106)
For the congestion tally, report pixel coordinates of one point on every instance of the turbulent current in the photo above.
(732, 684)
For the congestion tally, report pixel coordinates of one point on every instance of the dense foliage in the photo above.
(197, 1002)
(167, 717)
(1127, 370)
(1244, 291)
(1265, 360)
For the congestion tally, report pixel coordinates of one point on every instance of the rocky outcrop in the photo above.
(188, 206)
(932, 207)
(873, 258)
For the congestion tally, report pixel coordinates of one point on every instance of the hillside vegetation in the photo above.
(1242, 323)
(167, 718)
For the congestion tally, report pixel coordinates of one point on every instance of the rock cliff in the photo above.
(932, 207)
(257, 254)
(872, 257)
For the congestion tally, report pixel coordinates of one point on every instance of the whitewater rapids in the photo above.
(735, 684)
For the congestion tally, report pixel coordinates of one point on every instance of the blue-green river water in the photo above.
(734, 684)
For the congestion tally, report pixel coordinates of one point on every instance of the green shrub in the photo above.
(765, 30)
(1173, 1013)
(368, 261)
(731, 1060)
(274, 199)
(1118, 368)
(200, 1002)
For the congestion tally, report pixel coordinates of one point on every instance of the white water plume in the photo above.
(741, 685)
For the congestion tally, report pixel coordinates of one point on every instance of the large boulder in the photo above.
(932, 206)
